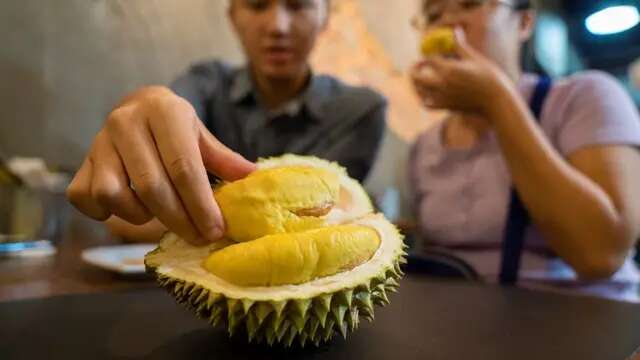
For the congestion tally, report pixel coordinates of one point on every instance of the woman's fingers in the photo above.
(110, 184)
(430, 74)
(428, 84)
(463, 49)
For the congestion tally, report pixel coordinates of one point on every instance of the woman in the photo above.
(574, 168)
(163, 141)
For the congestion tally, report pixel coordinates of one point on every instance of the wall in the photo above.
(64, 66)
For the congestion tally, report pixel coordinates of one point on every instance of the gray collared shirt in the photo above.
(329, 119)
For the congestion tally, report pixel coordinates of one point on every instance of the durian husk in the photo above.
(313, 312)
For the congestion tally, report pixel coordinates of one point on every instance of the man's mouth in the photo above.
(279, 54)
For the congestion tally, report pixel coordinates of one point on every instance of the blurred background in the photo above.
(64, 64)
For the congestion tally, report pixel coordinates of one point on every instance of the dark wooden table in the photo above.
(65, 273)
(426, 320)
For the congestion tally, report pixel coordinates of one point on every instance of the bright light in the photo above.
(613, 20)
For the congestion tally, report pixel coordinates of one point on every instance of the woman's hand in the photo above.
(467, 82)
(150, 160)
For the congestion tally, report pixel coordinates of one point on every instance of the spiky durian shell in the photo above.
(313, 313)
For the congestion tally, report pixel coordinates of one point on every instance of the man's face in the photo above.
(278, 35)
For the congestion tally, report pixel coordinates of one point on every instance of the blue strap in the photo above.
(518, 218)
(539, 96)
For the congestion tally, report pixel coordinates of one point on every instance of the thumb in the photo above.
(220, 160)
(463, 48)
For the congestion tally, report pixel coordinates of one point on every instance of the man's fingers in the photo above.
(150, 232)
(110, 184)
(79, 193)
(175, 131)
(137, 148)
(220, 160)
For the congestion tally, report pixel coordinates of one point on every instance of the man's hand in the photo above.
(150, 160)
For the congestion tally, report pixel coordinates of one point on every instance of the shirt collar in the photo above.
(241, 85)
(312, 98)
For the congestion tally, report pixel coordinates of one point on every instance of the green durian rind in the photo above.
(304, 321)
(299, 315)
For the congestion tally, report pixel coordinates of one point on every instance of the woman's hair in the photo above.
(518, 4)
(523, 4)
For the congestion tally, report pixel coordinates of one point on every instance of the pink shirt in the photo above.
(462, 195)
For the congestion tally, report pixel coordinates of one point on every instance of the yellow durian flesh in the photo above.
(278, 200)
(440, 41)
(294, 258)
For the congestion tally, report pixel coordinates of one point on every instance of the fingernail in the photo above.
(217, 233)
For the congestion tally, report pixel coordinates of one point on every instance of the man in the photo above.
(149, 163)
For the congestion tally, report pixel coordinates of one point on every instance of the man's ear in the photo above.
(326, 13)
(231, 11)
(527, 24)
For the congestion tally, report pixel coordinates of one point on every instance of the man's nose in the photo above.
(280, 19)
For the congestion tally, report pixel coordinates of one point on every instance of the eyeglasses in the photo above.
(260, 5)
(432, 13)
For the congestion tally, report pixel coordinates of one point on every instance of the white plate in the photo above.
(123, 259)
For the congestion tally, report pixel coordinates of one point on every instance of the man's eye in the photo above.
(299, 4)
(257, 5)
(433, 16)
(470, 4)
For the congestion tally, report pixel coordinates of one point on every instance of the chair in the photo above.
(437, 263)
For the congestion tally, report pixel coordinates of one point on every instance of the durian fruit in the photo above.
(440, 41)
(251, 207)
(300, 280)
(353, 201)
